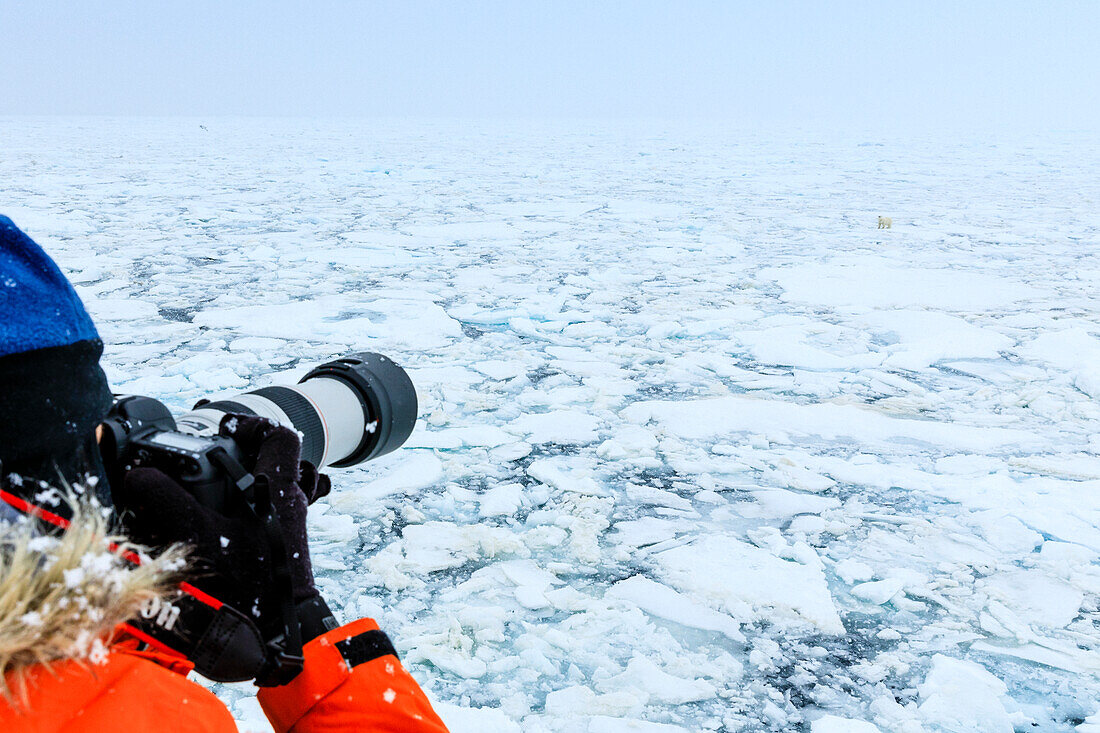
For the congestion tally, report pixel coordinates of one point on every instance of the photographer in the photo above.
(72, 654)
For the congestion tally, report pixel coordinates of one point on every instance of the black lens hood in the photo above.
(386, 395)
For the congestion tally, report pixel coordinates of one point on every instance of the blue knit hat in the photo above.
(54, 392)
(38, 306)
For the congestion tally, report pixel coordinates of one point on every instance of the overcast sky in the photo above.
(1007, 63)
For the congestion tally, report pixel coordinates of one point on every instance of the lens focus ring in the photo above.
(302, 416)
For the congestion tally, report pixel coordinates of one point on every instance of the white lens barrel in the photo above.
(342, 416)
(326, 412)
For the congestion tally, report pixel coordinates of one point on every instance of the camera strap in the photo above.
(223, 644)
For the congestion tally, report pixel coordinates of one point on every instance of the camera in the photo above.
(347, 411)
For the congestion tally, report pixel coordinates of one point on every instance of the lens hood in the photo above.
(387, 396)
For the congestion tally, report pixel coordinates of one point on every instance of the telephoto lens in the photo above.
(348, 410)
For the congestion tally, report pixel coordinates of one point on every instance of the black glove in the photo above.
(232, 558)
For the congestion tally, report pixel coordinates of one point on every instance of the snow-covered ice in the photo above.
(699, 447)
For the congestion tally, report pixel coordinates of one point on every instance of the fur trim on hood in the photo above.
(61, 596)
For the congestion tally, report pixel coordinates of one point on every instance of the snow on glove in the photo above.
(231, 557)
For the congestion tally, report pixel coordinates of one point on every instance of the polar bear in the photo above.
(885, 222)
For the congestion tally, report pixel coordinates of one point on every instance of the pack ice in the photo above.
(700, 448)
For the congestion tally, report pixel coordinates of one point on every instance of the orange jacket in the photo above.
(138, 691)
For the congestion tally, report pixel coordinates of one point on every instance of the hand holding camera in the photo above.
(232, 560)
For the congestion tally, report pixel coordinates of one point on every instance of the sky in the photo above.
(846, 63)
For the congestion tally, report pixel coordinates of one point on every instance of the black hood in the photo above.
(51, 401)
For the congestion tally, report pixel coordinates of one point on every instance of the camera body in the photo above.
(140, 432)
